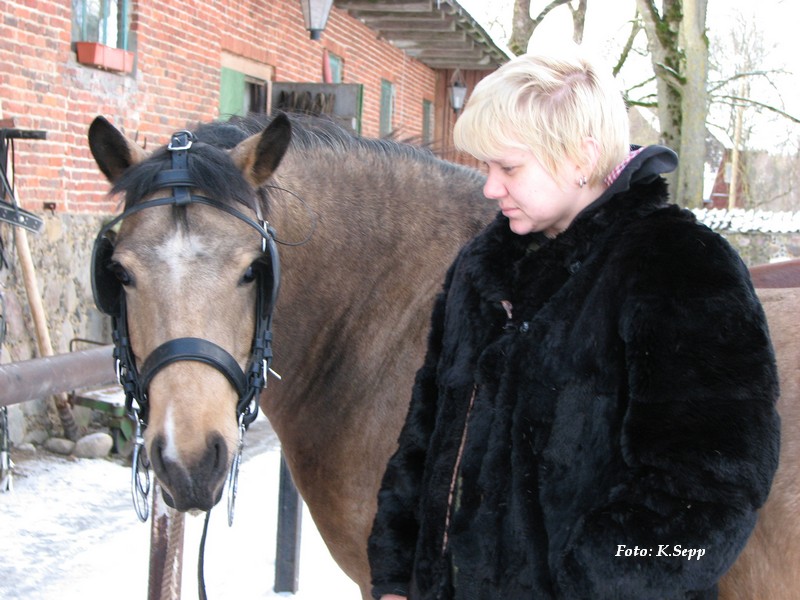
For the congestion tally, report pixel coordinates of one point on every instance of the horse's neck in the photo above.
(372, 197)
(382, 244)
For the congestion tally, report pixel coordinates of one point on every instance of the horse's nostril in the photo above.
(218, 461)
(157, 458)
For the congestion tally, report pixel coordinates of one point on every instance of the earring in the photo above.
(581, 181)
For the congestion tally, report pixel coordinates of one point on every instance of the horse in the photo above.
(767, 567)
(367, 229)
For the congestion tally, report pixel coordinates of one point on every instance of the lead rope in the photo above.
(201, 583)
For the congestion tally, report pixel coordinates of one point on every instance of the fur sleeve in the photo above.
(700, 433)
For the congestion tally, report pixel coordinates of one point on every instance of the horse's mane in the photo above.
(314, 133)
(214, 172)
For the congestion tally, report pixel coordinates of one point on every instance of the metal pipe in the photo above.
(42, 377)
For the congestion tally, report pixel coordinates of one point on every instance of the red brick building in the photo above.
(178, 57)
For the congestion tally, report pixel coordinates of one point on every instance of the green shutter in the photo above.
(231, 93)
(387, 104)
(427, 121)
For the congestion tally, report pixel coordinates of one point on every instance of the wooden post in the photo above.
(166, 549)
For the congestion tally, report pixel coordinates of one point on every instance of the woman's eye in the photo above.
(121, 273)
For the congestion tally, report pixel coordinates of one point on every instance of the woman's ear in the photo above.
(586, 161)
(591, 153)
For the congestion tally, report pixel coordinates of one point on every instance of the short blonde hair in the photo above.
(547, 105)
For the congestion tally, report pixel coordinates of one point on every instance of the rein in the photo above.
(110, 298)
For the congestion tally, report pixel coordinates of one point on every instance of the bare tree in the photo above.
(523, 25)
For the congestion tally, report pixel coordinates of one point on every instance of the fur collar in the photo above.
(501, 264)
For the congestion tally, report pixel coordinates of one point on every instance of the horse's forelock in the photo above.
(210, 168)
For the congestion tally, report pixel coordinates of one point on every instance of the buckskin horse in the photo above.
(367, 229)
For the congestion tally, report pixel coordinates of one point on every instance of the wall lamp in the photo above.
(315, 16)
(458, 93)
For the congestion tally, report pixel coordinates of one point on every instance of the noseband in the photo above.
(110, 298)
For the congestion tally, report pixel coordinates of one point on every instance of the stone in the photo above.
(94, 445)
(59, 446)
(36, 436)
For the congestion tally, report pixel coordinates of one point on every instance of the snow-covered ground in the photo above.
(68, 531)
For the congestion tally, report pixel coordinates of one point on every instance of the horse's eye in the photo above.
(121, 273)
(249, 275)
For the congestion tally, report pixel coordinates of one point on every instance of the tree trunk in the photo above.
(679, 53)
(521, 27)
(578, 21)
(694, 106)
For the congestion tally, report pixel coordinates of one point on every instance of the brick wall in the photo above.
(175, 82)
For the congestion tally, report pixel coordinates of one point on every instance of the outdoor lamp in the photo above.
(315, 15)
(458, 93)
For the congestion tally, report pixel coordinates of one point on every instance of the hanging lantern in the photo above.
(315, 16)
(458, 93)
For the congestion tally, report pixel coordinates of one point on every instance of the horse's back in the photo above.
(768, 567)
(785, 274)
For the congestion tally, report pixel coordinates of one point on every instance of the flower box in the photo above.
(104, 57)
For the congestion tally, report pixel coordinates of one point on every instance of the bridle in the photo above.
(110, 299)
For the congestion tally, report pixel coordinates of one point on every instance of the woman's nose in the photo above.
(493, 188)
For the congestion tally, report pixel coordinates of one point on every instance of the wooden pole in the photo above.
(166, 549)
(42, 377)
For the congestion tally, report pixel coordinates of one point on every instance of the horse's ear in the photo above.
(259, 155)
(112, 151)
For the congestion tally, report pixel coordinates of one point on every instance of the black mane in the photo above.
(213, 171)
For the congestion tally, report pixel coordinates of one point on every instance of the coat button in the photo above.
(524, 327)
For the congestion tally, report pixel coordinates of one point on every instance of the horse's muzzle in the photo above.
(196, 486)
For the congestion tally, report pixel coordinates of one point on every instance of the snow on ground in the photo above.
(68, 531)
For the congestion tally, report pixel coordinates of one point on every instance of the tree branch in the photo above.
(636, 27)
(756, 103)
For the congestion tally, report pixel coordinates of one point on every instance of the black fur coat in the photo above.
(611, 439)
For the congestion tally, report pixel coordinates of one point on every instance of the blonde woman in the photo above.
(595, 417)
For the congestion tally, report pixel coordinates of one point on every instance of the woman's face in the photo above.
(530, 197)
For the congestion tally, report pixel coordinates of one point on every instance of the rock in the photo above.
(36, 436)
(94, 445)
(59, 446)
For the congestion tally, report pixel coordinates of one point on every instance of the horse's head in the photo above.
(190, 278)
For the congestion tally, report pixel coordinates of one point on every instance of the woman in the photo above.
(595, 417)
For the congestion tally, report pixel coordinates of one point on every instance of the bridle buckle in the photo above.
(181, 140)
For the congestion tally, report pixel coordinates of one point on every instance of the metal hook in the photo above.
(140, 473)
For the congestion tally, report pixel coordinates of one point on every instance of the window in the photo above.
(255, 96)
(427, 121)
(102, 21)
(337, 68)
(241, 94)
(387, 107)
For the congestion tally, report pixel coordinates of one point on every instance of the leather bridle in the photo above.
(110, 298)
